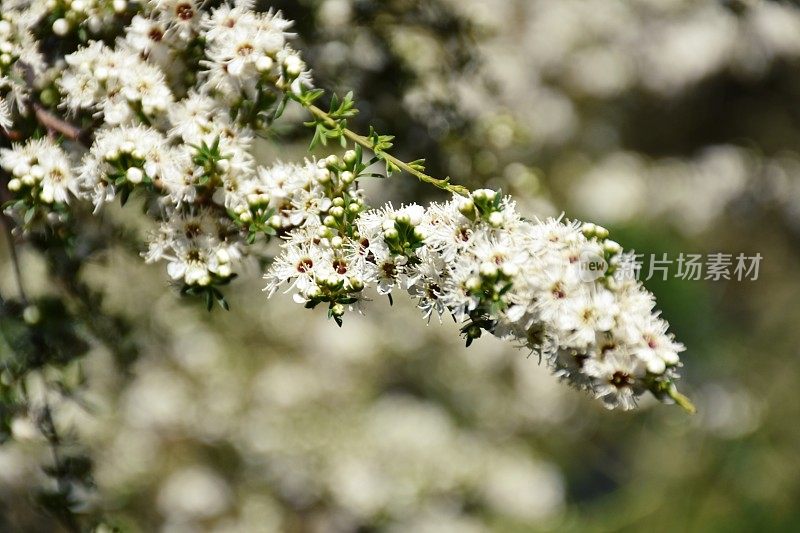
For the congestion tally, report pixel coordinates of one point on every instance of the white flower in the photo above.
(615, 378)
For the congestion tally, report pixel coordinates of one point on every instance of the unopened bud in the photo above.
(612, 247)
(134, 175)
(61, 27)
(264, 63)
(496, 219)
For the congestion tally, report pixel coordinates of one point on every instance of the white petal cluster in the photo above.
(92, 16)
(41, 171)
(323, 259)
(19, 59)
(524, 281)
(116, 83)
(247, 52)
(120, 158)
(199, 247)
(474, 257)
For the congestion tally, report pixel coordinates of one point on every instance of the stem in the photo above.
(443, 184)
(12, 252)
(56, 124)
(682, 400)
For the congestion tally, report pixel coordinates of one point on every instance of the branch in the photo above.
(443, 184)
(58, 125)
(682, 401)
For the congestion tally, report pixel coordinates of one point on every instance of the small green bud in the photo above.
(31, 315)
(49, 97)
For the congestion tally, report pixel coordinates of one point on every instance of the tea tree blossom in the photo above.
(175, 104)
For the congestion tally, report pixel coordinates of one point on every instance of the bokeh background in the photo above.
(675, 123)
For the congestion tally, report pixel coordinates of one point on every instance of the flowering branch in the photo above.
(375, 147)
(184, 144)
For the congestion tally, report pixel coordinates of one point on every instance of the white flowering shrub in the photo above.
(168, 111)
(186, 148)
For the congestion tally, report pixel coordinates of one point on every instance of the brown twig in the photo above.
(60, 126)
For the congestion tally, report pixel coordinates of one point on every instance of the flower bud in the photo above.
(473, 284)
(348, 177)
(350, 157)
(37, 172)
(612, 247)
(61, 27)
(336, 242)
(496, 219)
(134, 175)
(222, 166)
(402, 218)
(101, 73)
(656, 365)
(509, 270)
(47, 196)
(329, 221)
(600, 232)
(264, 63)
(588, 229)
(488, 270)
(223, 256)
(20, 169)
(14, 185)
(31, 315)
(120, 6)
(336, 211)
(324, 176)
(390, 234)
(466, 207)
(275, 221)
(337, 310)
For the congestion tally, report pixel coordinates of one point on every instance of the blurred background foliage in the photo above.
(673, 122)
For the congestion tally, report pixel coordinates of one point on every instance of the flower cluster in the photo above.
(42, 179)
(116, 83)
(19, 58)
(476, 259)
(186, 148)
(247, 57)
(69, 16)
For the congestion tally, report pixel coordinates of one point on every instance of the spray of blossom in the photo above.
(176, 104)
